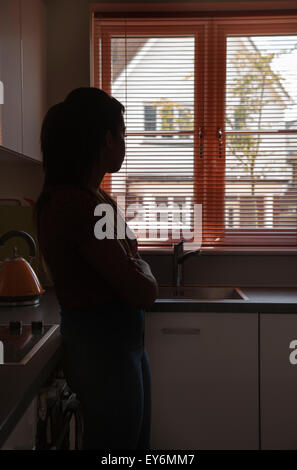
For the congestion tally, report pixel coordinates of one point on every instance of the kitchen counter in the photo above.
(47, 310)
(19, 385)
(260, 300)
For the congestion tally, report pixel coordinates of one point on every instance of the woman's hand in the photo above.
(144, 266)
(133, 247)
(132, 242)
(130, 277)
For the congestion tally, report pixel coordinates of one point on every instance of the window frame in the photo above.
(254, 26)
(210, 34)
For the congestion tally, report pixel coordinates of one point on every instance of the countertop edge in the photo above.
(44, 362)
(168, 305)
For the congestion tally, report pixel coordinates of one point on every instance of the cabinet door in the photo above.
(204, 380)
(23, 435)
(278, 381)
(11, 75)
(33, 43)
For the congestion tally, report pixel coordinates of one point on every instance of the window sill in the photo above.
(271, 251)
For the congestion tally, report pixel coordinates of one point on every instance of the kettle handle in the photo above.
(20, 233)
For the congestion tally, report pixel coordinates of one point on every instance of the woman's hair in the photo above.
(73, 131)
(71, 136)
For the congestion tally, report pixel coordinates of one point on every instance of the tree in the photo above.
(248, 95)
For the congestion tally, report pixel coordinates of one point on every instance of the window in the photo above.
(164, 115)
(150, 118)
(211, 117)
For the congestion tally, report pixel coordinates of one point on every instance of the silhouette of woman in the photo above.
(102, 284)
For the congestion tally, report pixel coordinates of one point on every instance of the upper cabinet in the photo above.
(33, 96)
(11, 75)
(22, 71)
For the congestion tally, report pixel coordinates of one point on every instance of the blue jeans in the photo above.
(106, 365)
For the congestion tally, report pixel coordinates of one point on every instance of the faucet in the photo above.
(179, 256)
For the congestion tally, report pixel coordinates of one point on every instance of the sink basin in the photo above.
(202, 293)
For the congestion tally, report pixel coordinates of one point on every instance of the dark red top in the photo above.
(66, 225)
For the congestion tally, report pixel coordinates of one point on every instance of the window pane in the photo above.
(152, 70)
(154, 78)
(261, 92)
(261, 96)
(150, 118)
(261, 181)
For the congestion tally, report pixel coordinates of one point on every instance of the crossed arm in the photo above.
(130, 276)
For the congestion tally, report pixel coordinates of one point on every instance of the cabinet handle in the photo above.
(181, 331)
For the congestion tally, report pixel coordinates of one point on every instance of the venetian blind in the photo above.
(211, 118)
(151, 70)
(261, 137)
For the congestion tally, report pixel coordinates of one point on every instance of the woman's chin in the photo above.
(115, 169)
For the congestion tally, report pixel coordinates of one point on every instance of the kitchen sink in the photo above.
(202, 293)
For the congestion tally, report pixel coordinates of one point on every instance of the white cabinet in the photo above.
(204, 380)
(22, 71)
(33, 96)
(278, 381)
(11, 75)
(24, 434)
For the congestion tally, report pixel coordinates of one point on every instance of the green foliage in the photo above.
(185, 119)
(167, 117)
(171, 121)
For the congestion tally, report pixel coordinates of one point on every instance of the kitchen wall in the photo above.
(19, 177)
(246, 270)
(68, 45)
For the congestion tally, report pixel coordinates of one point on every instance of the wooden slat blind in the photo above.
(211, 117)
